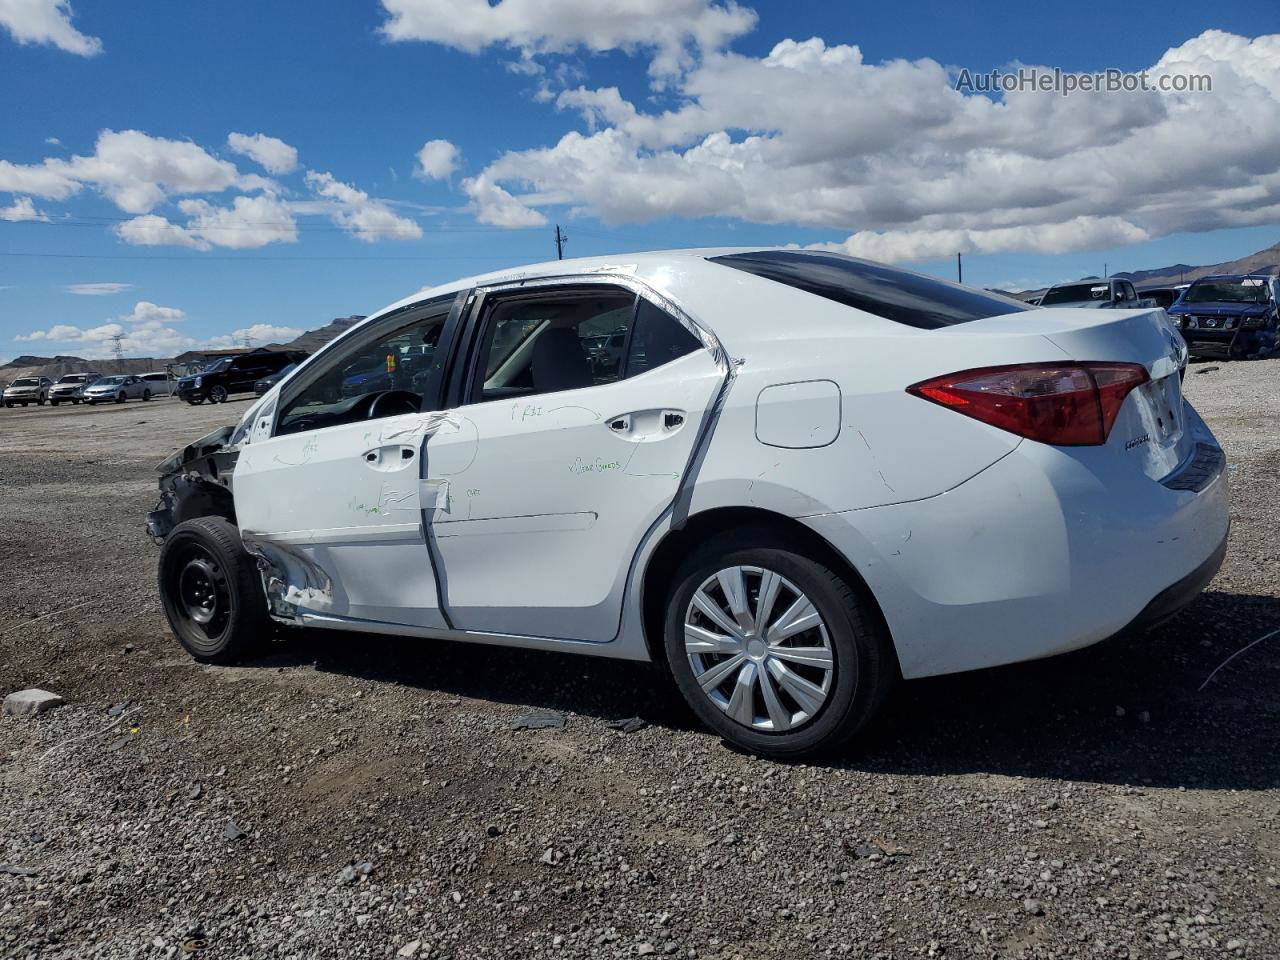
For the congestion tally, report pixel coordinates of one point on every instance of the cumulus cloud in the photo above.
(814, 135)
(672, 31)
(147, 330)
(97, 289)
(436, 160)
(273, 155)
(358, 213)
(249, 222)
(135, 171)
(46, 22)
(22, 209)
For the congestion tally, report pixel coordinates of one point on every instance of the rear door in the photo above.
(562, 456)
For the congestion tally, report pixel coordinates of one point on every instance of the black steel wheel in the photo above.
(211, 591)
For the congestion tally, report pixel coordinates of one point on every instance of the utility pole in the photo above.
(959, 270)
(561, 240)
(117, 347)
(1104, 269)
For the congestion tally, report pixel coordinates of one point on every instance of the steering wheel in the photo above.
(389, 403)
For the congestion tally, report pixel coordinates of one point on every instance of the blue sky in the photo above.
(867, 150)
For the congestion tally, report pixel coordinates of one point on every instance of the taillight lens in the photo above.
(1066, 404)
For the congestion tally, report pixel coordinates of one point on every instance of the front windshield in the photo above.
(219, 365)
(74, 378)
(26, 382)
(1076, 293)
(1228, 290)
(106, 380)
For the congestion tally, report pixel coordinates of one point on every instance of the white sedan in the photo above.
(792, 477)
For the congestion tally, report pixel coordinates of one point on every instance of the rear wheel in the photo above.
(40, 402)
(211, 591)
(146, 394)
(774, 650)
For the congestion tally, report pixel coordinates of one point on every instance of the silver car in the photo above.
(26, 390)
(71, 387)
(119, 388)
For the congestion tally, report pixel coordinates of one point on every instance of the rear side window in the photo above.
(898, 295)
(658, 338)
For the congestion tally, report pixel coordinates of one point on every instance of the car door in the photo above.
(331, 494)
(561, 457)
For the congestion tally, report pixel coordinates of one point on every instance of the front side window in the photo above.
(372, 378)
(573, 339)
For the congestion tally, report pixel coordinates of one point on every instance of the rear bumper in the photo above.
(1047, 550)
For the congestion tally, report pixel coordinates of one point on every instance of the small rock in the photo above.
(646, 949)
(493, 830)
(629, 725)
(118, 709)
(409, 949)
(538, 721)
(1033, 907)
(1040, 824)
(29, 703)
(194, 791)
(16, 871)
(233, 831)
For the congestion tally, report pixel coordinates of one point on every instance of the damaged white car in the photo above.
(791, 477)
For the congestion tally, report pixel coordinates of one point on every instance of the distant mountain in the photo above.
(313, 340)
(1264, 261)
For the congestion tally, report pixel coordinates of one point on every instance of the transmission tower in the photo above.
(117, 347)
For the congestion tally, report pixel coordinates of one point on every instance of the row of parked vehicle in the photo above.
(1235, 314)
(90, 388)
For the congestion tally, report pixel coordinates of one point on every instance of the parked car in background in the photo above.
(27, 390)
(1237, 314)
(1163, 296)
(71, 387)
(1113, 293)
(269, 381)
(117, 388)
(230, 375)
(161, 383)
(919, 478)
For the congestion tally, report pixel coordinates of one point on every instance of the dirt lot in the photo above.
(1096, 805)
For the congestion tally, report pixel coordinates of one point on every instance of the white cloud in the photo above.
(249, 222)
(135, 171)
(816, 136)
(46, 22)
(275, 156)
(22, 209)
(674, 31)
(147, 331)
(97, 289)
(359, 214)
(436, 160)
(53, 141)
(496, 206)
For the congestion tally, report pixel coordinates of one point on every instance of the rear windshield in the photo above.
(898, 295)
(1076, 293)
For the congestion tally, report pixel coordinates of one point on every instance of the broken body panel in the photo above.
(533, 522)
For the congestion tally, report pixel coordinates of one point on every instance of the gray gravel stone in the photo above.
(29, 703)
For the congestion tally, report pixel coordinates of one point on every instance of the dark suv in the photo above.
(229, 375)
(1238, 314)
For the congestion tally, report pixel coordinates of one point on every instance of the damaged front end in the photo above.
(195, 482)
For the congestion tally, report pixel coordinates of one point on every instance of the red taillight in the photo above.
(1067, 404)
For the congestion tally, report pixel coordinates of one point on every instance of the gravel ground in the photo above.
(367, 797)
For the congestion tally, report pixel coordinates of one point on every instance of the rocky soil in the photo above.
(363, 797)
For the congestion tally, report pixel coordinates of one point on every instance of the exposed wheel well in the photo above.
(677, 544)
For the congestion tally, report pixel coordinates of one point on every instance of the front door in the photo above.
(585, 408)
(332, 496)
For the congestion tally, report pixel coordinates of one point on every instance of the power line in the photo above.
(199, 257)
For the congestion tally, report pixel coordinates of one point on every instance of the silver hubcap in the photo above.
(759, 648)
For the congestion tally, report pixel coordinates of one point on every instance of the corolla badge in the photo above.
(1138, 441)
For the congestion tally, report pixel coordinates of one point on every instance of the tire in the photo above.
(75, 403)
(120, 397)
(146, 395)
(205, 571)
(54, 403)
(218, 394)
(860, 673)
(39, 403)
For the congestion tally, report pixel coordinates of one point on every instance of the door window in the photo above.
(574, 339)
(372, 378)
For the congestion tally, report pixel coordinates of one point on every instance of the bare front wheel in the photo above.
(210, 588)
(774, 650)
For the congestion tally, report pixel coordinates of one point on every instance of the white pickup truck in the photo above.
(1113, 293)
